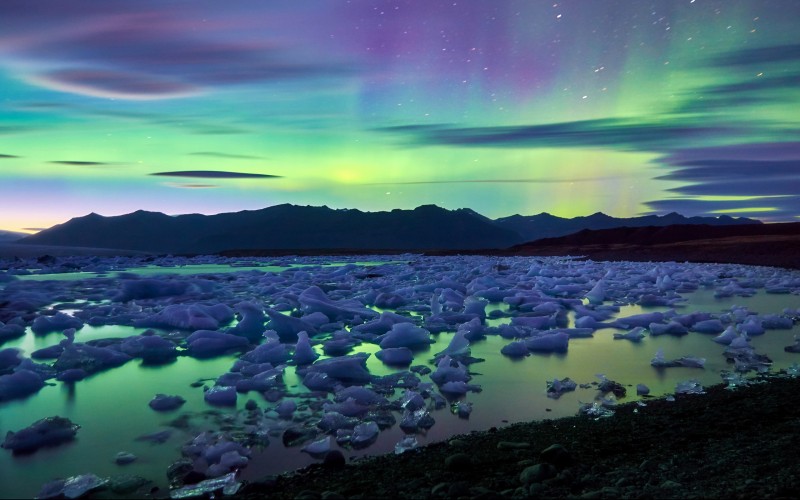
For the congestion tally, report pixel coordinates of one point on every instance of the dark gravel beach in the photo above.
(724, 444)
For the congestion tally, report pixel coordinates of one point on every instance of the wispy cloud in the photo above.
(538, 180)
(614, 133)
(152, 52)
(79, 163)
(5, 156)
(215, 174)
(214, 154)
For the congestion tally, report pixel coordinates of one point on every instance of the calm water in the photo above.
(111, 406)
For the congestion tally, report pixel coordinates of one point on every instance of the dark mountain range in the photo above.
(291, 227)
(544, 225)
(754, 244)
(282, 227)
(9, 236)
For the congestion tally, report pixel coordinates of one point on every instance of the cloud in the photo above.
(760, 56)
(113, 84)
(615, 133)
(4, 156)
(498, 181)
(153, 51)
(34, 228)
(191, 186)
(214, 154)
(79, 163)
(767, 174)
(215, 174)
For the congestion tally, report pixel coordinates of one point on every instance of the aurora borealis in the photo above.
(573, 107)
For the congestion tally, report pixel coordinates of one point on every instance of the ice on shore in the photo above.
(50, 431)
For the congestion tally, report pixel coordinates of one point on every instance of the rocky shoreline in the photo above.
(726, 443)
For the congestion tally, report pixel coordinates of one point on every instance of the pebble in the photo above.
(671, 484)
(537, 473)
(557, 455)
(458, 462)
(512, 445)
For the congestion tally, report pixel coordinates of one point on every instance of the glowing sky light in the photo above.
(573, 107)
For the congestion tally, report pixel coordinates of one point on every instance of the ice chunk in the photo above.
(207, 344)
(794, 347)
(405, 335)
(776, 322)
(124, 458)
(286, 408)
(227, 483)
(461, 408)
(459, 345)
(318, 449)
(50, 431)
(406, 443)
(642, 390)
(689, 387)
(639, 320)
(515, 349)
(349, 408)
(72, 487)
(414, 420)
(287, 327)
(364, 434)
(304, 354)
(381, 325)
(397, 356)
(72, 375)
(558, 387)
(227, 461)
(634, 335)
(726, 337)
(449, 370)
(221, 396)
(251, 325)
(189, 317)
(9, 358)
(595, 410)
(686, 361)
(271, 351)
(313, 299)
(348, 369)
(597, 294)
(163, 402)
(361, 395)
(671, 328)
(151, 348)
(555, 342)
(60, 321)
(20, 384)
(708, 326)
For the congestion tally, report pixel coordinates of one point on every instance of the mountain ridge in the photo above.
(286, 226)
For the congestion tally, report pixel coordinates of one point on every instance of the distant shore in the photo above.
(724, 444)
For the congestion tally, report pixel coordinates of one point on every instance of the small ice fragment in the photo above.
(407, 443)
(318, 449)
(461, 408)
(163, 402)
(364, 434)
(50, 431)
(689, 387)
(304, 354)
(227, 483)
(635, 335)
(642, 390)
(72, 487)
(124, 458)
(221, 396)
(595, 410)
(558, 387)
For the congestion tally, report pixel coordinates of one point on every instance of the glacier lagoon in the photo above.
(480, 297)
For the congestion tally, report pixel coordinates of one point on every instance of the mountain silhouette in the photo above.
(292, 227)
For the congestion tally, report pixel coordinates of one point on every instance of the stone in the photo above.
(512, 445)
(334, 459)
(537, 473)
(458, 462)
(557, 455)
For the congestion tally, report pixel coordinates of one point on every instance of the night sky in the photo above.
(574, 107)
